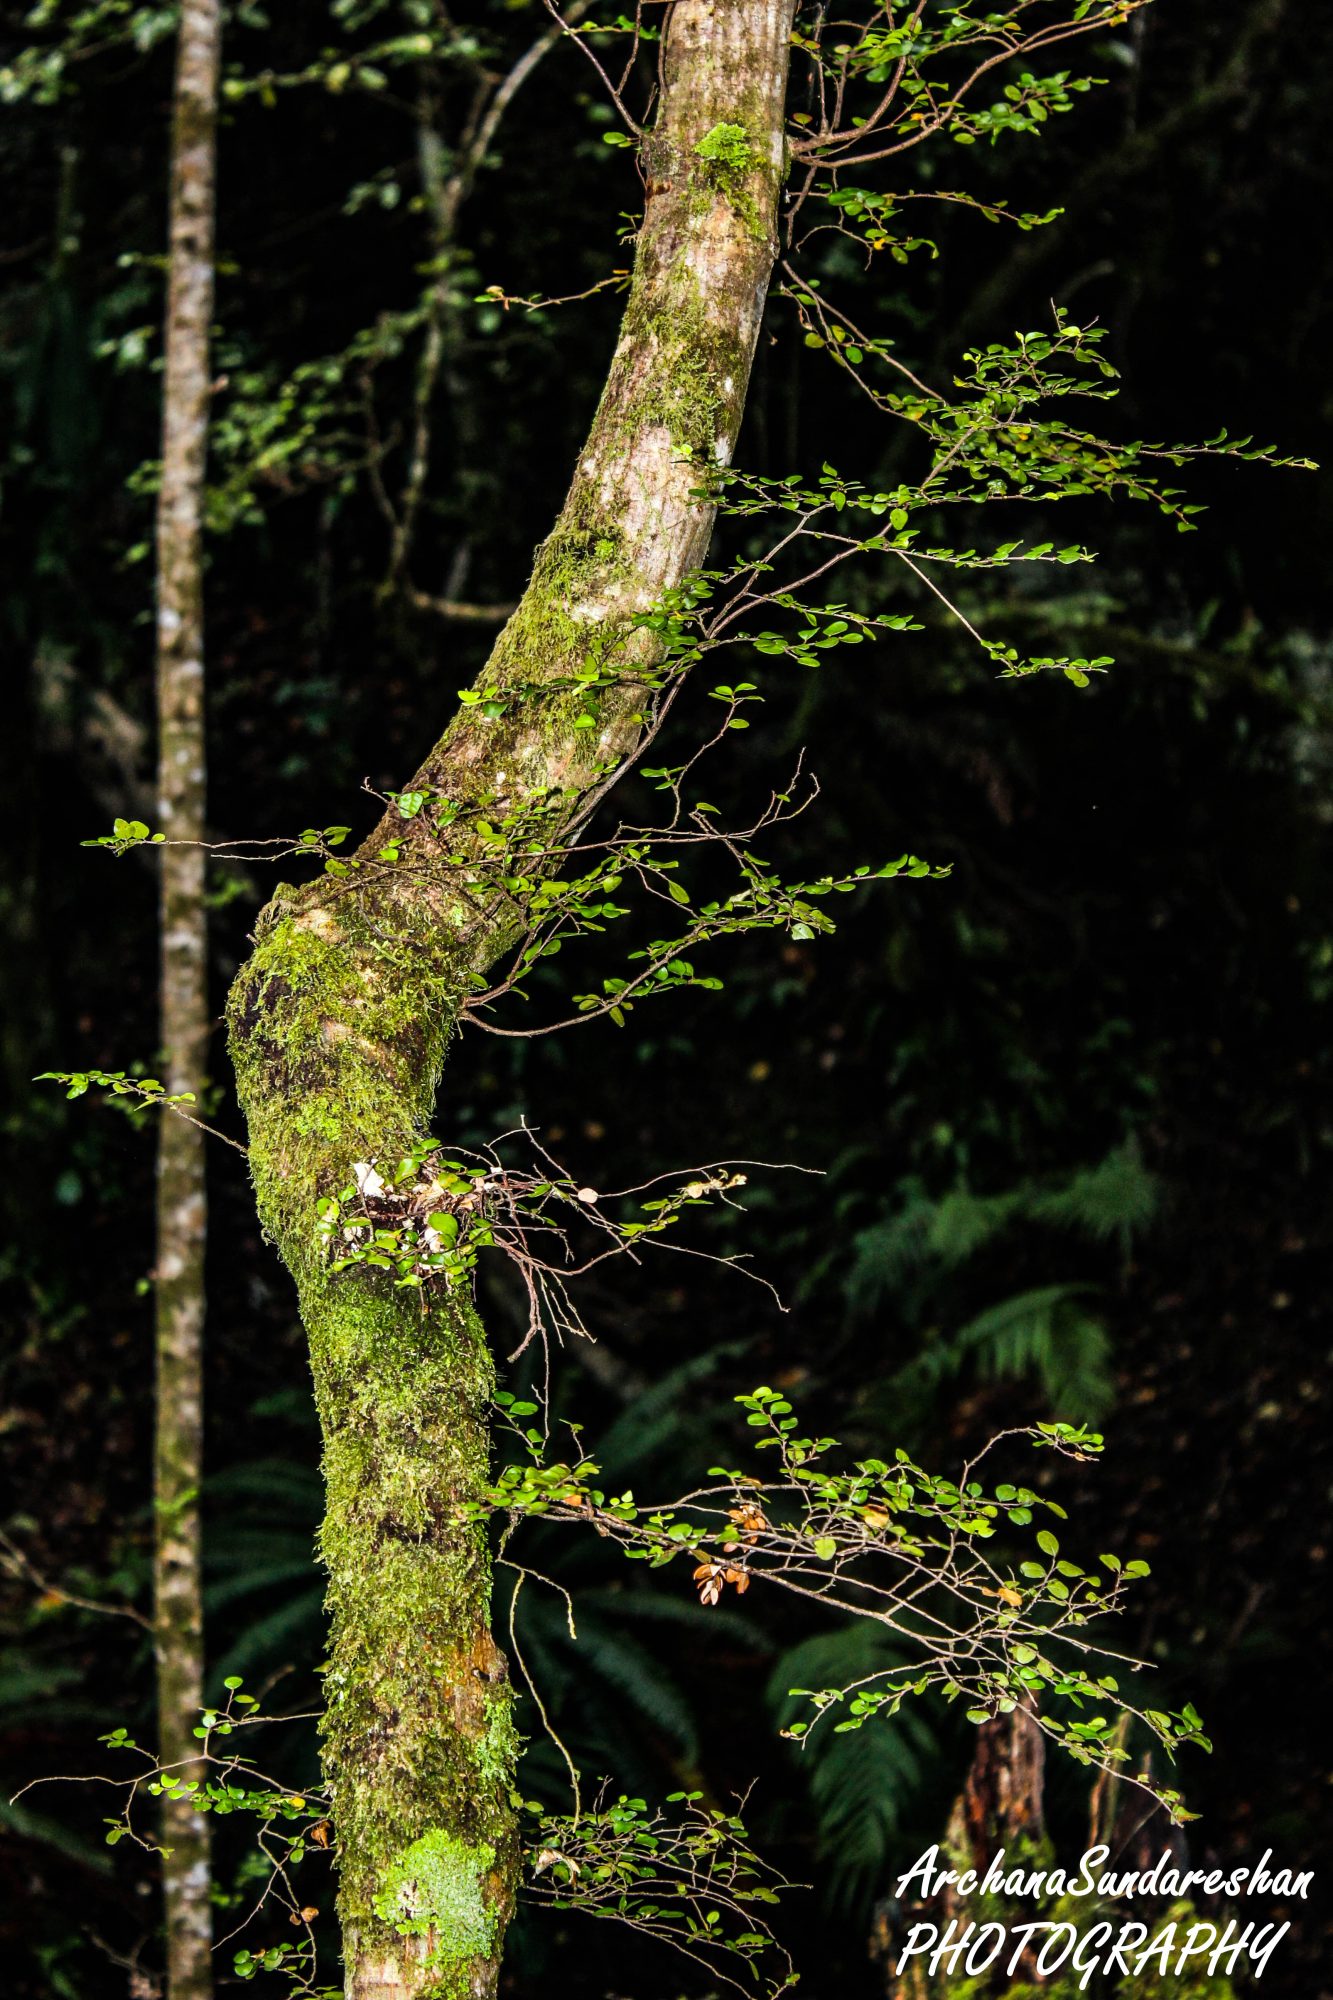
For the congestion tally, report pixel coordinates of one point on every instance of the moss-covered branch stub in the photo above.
(341, 1018)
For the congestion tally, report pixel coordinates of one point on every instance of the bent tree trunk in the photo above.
(341, 1017)
(181, 1213)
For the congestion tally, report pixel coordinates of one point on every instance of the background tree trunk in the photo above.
(341, 1018)
(181, 1209)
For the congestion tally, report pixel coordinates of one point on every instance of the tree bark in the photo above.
(181, 1209)
(341, 1018)
(1001, 1807)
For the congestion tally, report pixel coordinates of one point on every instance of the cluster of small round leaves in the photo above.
(942, 1564)
(687, 1876)
(143, 1092)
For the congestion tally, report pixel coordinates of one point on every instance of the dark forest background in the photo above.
(1071, 1105)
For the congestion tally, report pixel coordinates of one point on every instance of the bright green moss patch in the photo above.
(497, 1751)
(727, 149)
(729, 160)
(438, 1886)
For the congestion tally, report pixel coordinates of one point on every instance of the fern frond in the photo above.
(632, 1671)
(1116, 1198)
(884, 1254)
(660, 1416)
(860, 1784)
(1051, 1332)
(286, 1489)
(296, 1627)
(964, 1223)
(658, 1607)
(250, 1581)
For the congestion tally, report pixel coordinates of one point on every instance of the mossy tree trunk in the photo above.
(341, 1018)
(181, 1210)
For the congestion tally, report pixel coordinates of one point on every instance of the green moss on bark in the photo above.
(418, 1729)
(436, 1889)
(341, 1019)
(339, 1026)
(730, 166)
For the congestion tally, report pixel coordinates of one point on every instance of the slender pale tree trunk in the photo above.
(341, 1018)
(181, 1212)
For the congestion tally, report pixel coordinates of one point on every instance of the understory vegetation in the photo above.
(1002, 1029)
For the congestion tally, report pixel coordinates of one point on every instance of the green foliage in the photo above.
(262, 1586)
(610, 1658)
(876, 1542)
(427, 1218)
(912, 1260)
(1116, 1198)
(596, 1643)
(41, 1692)
(282, 432)
(125, 835)
(1050, 1333)
(875, 214)
(860, 1789)
(70, 32)
(690, 1879)
(1024, 106)
(144, 1092)
(992, 443)
(273, 438)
